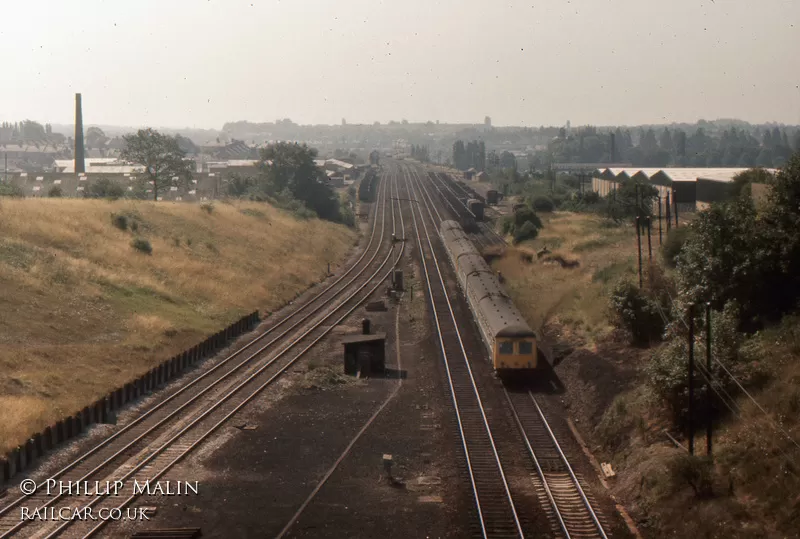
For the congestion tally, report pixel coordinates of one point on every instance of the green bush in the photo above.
(11, 190)
(527, 231)
(543, 203)
(119, 221)
(142, 245)
(674, 243)
(695, 471)
(591, 197)
(104, 188)
(639, 314)
(666, 375)
(347, 217)
(55, 192)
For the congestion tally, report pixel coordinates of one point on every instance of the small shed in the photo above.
(364, 354)
(469, 173)
(491, 196)
(481, 176)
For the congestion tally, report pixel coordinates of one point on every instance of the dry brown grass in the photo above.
(83, 312)
(575, 298)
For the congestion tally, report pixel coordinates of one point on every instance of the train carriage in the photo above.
(511, 343)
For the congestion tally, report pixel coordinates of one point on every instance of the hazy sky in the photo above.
(200, 63)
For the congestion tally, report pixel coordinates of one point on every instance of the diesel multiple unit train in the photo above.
(510, 341)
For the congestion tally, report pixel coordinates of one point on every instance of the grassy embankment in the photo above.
(751, 490)
(84, 312)
(576, 299)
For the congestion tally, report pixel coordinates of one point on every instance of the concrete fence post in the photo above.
(38, 444)
(29, 450)
(13, 462)
(99, 412)
(47, 438)
(68, 432)
(7, 470)
(78, 421)
(87, 416)
(119, 398)
(61, 431)
(20, 457)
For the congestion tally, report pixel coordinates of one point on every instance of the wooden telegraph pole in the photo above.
(639, 247)
(659, 220)
(709, 404)
(691, 378)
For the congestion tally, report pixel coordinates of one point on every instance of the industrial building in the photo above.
(692, 189)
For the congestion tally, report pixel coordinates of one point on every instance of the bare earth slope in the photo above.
(82, 311)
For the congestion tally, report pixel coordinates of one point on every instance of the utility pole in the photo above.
(709, 406)
(691, 377)
(675, 201)
(659, 219)
(669, 216)
(639, 244)
(649, 246)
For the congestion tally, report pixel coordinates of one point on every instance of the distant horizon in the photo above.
(573, 125)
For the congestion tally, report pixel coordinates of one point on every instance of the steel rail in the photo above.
(321, 483)
(484, 228)
(473, 385)
(246, 401)
(222, 363)
(539, 470)
(569, 468)
(249, 378)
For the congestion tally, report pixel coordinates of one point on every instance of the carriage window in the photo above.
(507, 348)
(525, 347)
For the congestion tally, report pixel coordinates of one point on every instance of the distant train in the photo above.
(508, 338)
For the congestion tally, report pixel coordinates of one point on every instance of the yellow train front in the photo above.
(511, 343)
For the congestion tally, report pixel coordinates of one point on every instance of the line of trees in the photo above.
(674, 147)
(469, 155)
(421, 153)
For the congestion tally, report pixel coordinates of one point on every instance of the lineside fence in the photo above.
(102, 411)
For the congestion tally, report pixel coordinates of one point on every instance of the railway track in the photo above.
(152, 444)
(295, 518)
(570, 508)
(497, 515)
(487, 236)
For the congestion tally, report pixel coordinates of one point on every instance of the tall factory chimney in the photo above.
(613, 149)
(80, 163)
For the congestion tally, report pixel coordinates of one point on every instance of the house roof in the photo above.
(665, 175)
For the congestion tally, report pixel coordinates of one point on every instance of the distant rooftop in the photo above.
(676, 174)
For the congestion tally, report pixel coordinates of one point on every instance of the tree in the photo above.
(665, 140)
(374, 157)
(161, 157)
(104, 188)
(30, 130)
(289, 168)
(648, 142)
(95, 138)
(460, 155)
(741, 182)
(507, 160)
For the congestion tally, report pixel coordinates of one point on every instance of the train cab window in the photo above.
(525, 347)
(507, 348)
